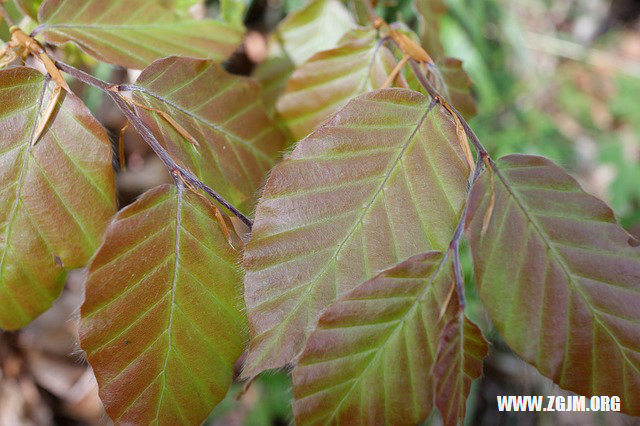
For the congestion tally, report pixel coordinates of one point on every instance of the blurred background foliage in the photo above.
(556, 78)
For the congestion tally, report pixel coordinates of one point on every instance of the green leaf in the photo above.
(232, 11)
(134, 33)
(238, 142)
(382, 180)
(57, 196)
(29, 7)
(316, 27)
(369, 360)
(560, 278)
(429, 13)
(326, 82)
(461, 350)
(162, 323)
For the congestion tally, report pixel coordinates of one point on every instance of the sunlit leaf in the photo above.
(369, 360)
(326, 82)
(560, 278)
(162, 324)
(57, 195)
(382, 180)
(316, 27)
(134, 33)
(237, 142)
(461, 349)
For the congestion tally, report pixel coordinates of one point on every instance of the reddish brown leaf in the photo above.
(237, 143)
(369, 360)
(162, 324)
(382, 180)
(559, 278)
(461, 351)
(57, 195)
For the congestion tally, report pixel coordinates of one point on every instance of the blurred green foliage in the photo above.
(267, 402)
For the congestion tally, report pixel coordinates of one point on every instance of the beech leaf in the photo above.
(162, 323)
(46, 228)
(369, 360)
(461, 350)
(559, 278)
(429, 14)
(382, 180)
(326, 82)
(237, 143)
(134, 33)
(316, 27)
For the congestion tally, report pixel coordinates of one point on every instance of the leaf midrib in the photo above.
(172, 305)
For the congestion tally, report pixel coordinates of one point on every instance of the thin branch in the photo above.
(176, 170)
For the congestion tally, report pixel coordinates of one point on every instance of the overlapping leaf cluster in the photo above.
(351, 273)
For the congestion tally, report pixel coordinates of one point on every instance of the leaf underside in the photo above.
(382, 180)
(326, 82)
(46, 229)
(369, 360)
(134, 33)
(461, 350)
(162, 324)
(238, 142)
(560, 278)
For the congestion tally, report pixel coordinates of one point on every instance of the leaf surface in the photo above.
(429, 14)
(162, 323)
(134, 33)
(461, 350)
(56, 196)
(326, 82)
(369, 360)
(237, 142)
(382, 180)
(29, 7)
(316, 27)
(560, 278)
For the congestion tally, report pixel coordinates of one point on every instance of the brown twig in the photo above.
(176, 170)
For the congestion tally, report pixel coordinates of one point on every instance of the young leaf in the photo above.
(382, 180)
(57, 196)
(560, 278)
(369, 360)
(458, 362)
(134, 33)
(316, 27)
(237, 142)
(327, 81)
(452, 82)
(429, 13)
(162, 324)
(457, 87)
